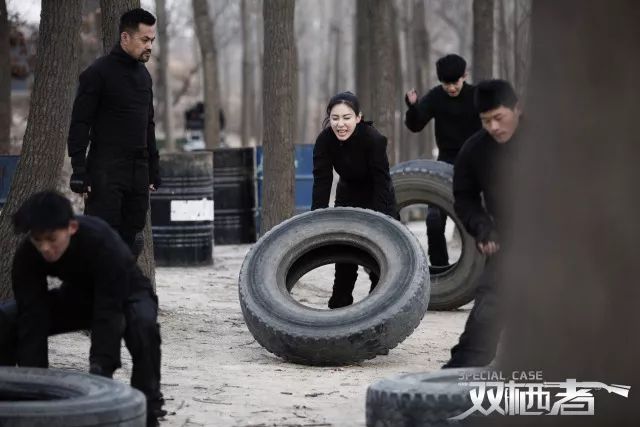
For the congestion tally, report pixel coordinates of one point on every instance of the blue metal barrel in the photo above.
(8, 166)
(304, 179)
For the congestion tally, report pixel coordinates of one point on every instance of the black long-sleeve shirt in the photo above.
(113, 109)
(478, 179)
(97, 260)
(363, 166)
(456, 118)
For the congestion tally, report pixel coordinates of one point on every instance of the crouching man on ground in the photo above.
(102, 290)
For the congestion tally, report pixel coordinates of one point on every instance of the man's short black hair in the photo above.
(450, 68)
(130, 20)
(491, 94)
(42, 212)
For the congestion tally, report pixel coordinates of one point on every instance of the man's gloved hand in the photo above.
(79, 182)
(97, 369)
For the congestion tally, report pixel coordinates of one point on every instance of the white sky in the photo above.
(29, 10)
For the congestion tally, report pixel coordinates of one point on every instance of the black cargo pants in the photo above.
(120, 193)
(344, 282)
(436, 221)
(71, 309)
(478, 343)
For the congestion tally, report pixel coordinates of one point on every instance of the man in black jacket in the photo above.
(103, 290)
(479, 176)
(451, 105)
(113, 110)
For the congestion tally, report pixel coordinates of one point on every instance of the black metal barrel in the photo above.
(234, 195)
(182, 210)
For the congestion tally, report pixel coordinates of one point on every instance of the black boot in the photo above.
(337, 301)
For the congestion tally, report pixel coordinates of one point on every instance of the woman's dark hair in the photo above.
(347, 98)
(491, 94)
(131, 20)
(42, 212)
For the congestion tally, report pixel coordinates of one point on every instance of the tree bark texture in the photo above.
(248, 86)
(482, 40)
(363, 49)
(5, 81)
(422, 54)
(208, 52)
(259, 71)
(571, 269)
(111, 11)
(279, 90)
(382, 71)
(45, 138)
(163, 88)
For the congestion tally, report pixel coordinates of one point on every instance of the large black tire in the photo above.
(420, 399)
(32, 397)
(431, 182)
(311, 336)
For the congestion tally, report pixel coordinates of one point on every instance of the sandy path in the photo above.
(216, 374)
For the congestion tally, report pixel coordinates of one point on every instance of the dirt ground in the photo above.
(216, 374)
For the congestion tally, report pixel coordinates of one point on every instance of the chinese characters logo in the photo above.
(492, 394)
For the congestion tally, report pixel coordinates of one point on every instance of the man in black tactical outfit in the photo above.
(451, 105)
(479, 175)
(103, 291)
(113, 110)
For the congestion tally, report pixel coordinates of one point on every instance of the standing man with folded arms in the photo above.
(113, 116)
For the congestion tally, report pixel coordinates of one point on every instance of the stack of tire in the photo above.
(431, 182)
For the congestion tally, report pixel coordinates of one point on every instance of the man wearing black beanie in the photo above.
(451, 105)
(479, 174)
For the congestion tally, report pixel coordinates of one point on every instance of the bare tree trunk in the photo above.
(522, 46)
(482, 39)
(112, 10)
(303, 101)
(336, 33)
(400, 145)
(163, 84)
(407, 69)
(279, 91)
(248, 86)
(5, 81)
(382, 69)
(258, 132)
(363, 50)
(45, 138)
(573, 271)
(503, 43)
(422, 53)
(208, 52)
(325, 88)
